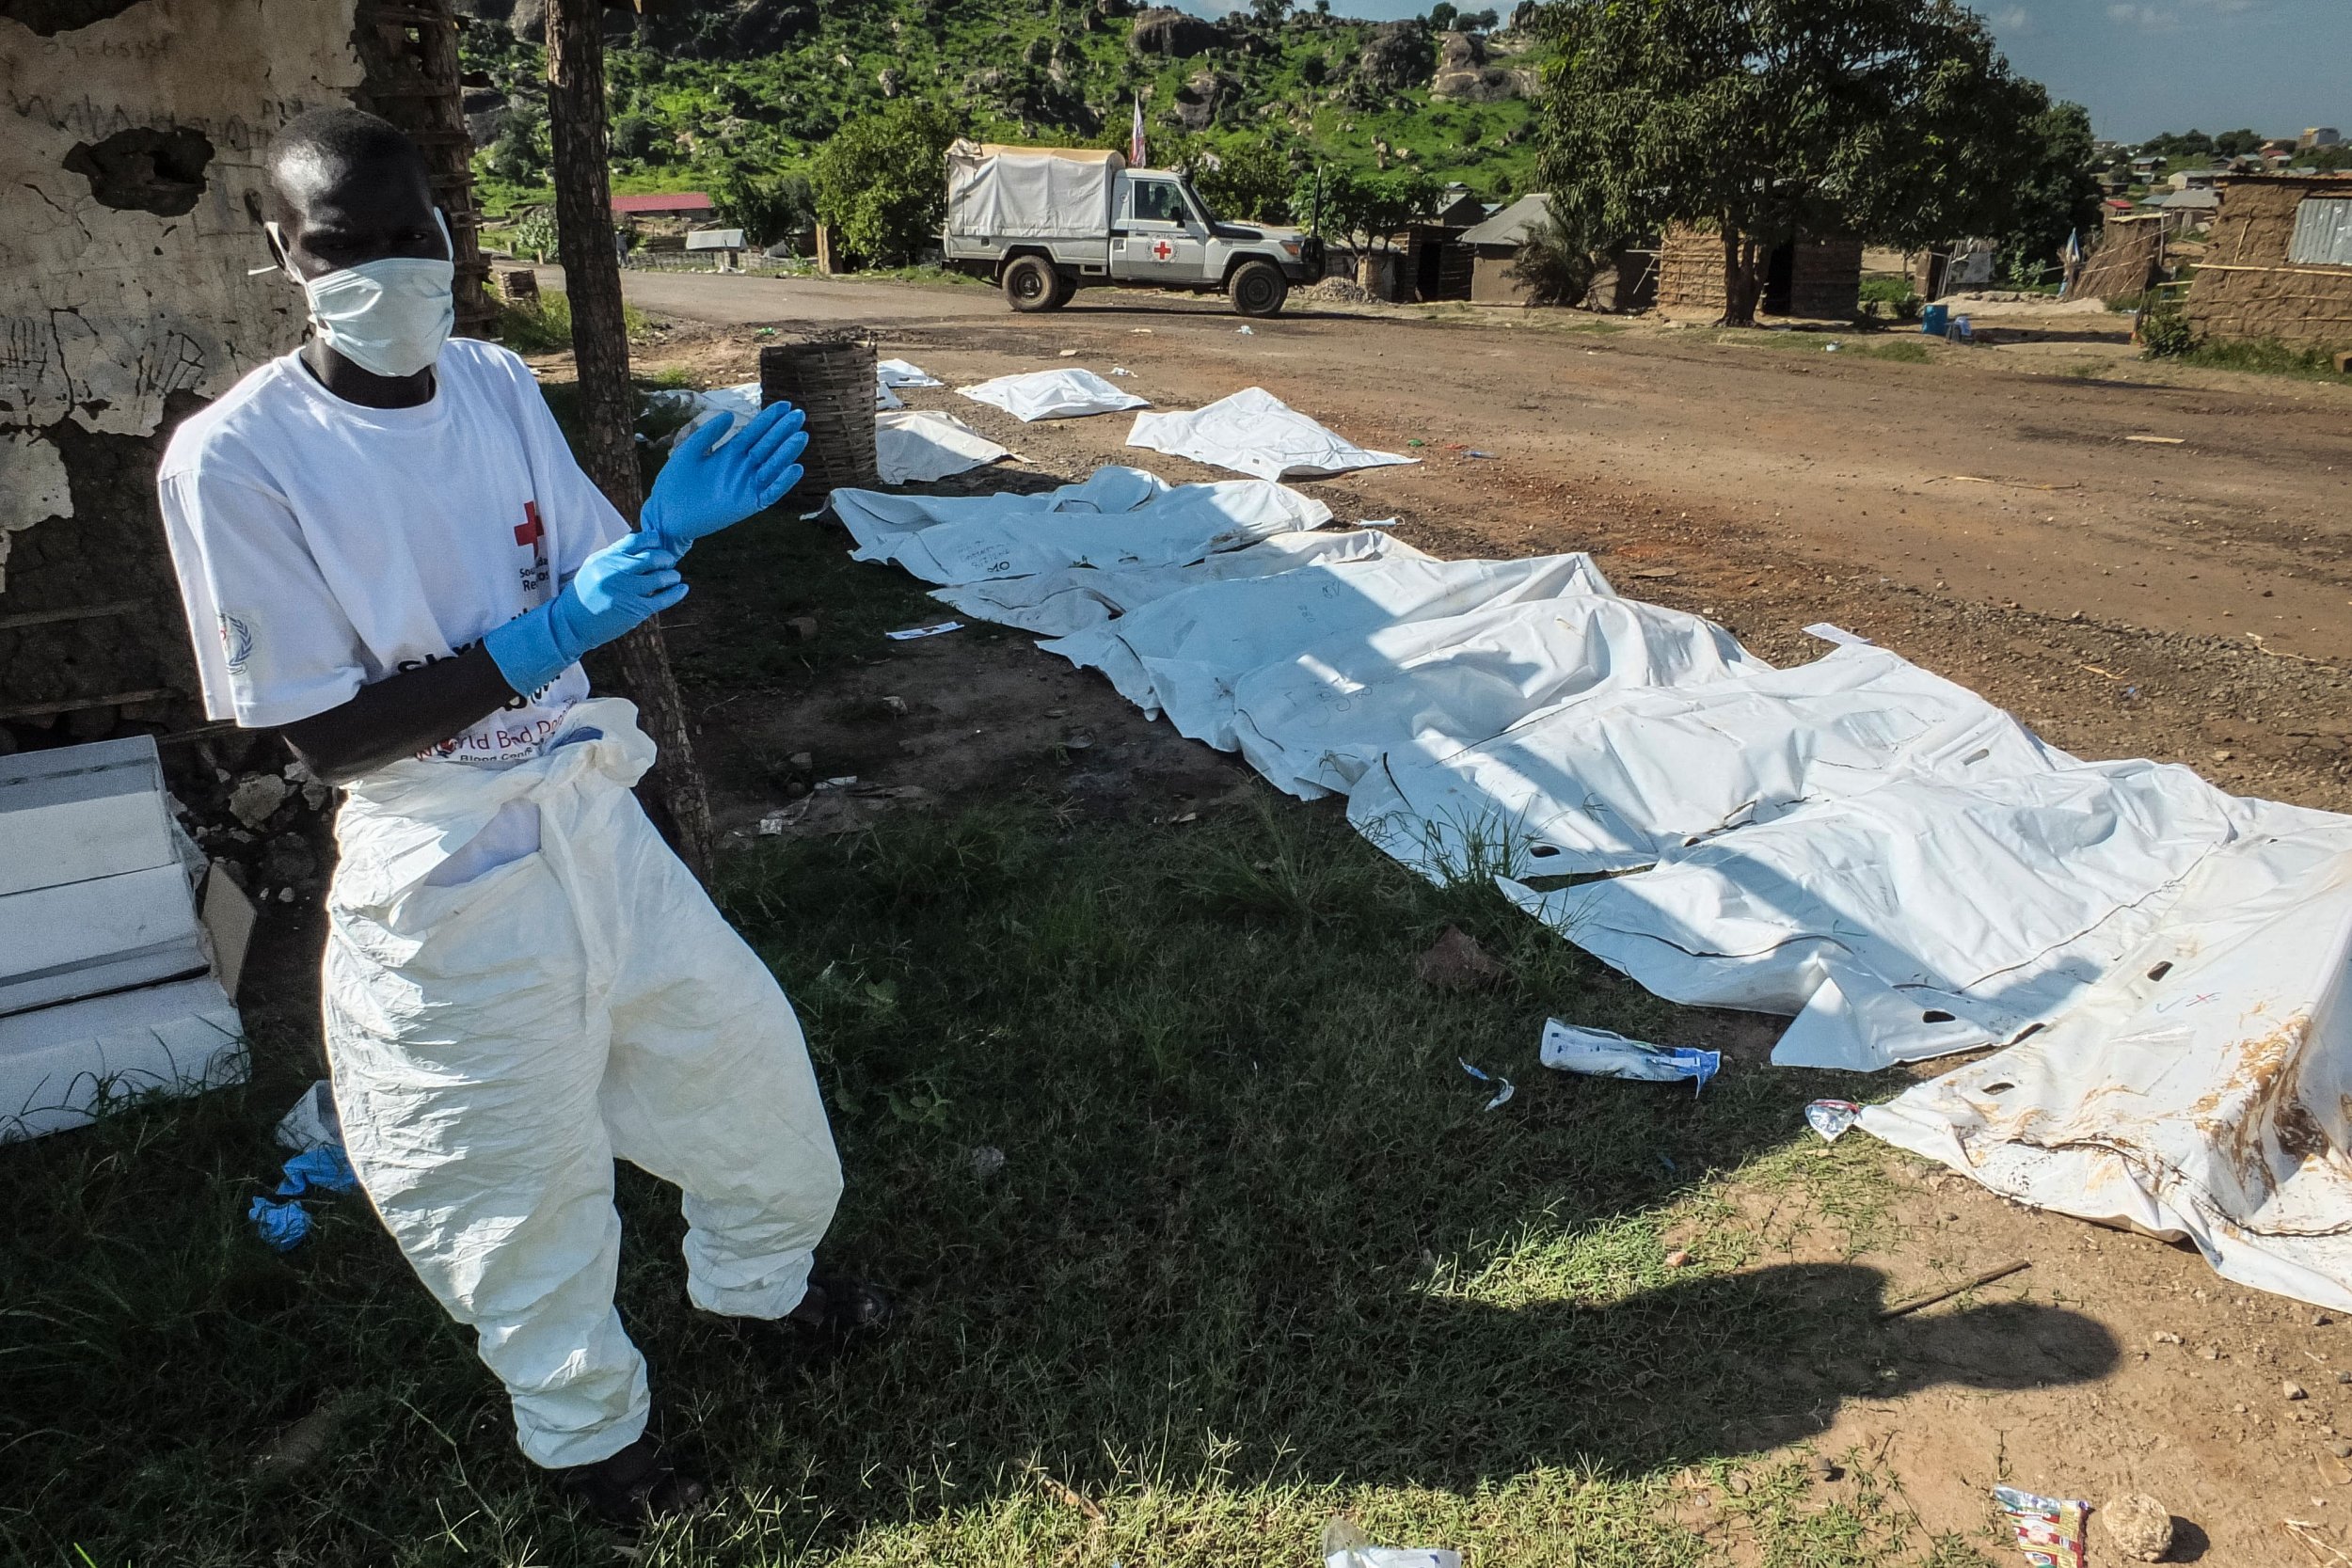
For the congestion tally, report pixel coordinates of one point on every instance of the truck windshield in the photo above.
(1208, 219)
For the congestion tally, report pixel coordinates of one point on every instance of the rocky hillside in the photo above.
(700, 88)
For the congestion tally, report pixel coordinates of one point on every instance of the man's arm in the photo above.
(401, 716)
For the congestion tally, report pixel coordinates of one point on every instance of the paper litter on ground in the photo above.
(1879, 853)
(1253, 432)
(1063, 394)
(914, 446)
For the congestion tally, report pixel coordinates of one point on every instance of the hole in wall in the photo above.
(49, 18)
(144, 171)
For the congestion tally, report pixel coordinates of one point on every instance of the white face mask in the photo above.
(391, 316)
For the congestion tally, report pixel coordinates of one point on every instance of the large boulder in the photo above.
(1200, 100)
(1467, 75)
(1395, 56)
(1176, 35)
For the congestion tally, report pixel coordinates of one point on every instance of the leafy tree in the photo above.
(1475, 21)
(633, 136)
(767, 210)
(1443, 15)
(2057, 195)
(1269, 13)
(2191, 143)
(880, 183)
(1244, 180)
(1764, 119)
(535, 237)
(1367, 209)
(2236, 143)
(519, 155)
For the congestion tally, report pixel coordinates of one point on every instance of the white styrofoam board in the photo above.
(73, 813)
(61, 1066)
(83, 937)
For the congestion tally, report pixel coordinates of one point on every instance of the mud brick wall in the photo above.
(2246, 289)
(1690, 272)
(1825, 279)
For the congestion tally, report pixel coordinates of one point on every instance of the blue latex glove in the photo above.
(323, 1169)
(281, 1226)
(615, 591)
(705, 488)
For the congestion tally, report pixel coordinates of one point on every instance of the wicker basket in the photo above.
(832, 381)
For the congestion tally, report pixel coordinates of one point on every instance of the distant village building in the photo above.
(2278, 265)
(2318, 135)
(1819, 278)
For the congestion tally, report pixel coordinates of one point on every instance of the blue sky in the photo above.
(2143, 65)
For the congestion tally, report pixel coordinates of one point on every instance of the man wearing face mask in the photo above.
(387, 551)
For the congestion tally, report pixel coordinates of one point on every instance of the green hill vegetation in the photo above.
(738, 97)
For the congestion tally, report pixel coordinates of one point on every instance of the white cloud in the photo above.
(2012, 20)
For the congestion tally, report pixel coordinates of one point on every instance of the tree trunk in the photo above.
(608, 406)
(1743, 283)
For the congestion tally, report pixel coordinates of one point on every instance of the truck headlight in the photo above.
(1290, 248)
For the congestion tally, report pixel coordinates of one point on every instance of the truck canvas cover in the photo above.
(1030, 192)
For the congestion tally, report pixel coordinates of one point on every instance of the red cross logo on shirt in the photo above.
(1162, 249)
(528, 532)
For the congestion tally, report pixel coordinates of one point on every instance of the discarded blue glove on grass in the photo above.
(281, 1226)
(281, 1222)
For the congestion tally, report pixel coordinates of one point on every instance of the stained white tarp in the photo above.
(2201, 1087)
(1253, 432)
(916, 445)
(1068, 393)
(1878, 852)
(1058, 603)
(1157, 527)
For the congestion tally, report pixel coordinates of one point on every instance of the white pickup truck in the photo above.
(1044, 222)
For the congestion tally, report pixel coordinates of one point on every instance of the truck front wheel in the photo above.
(1030, 284)
(1258, 288)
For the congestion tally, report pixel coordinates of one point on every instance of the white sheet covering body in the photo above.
(1630, 772)
(1183, 654)
(1315, 723)
(1056, 603)
(914, 446)
(1927, 905)
(1167, 528)
(1253, 432)
(1068, 393)
(1856, 842)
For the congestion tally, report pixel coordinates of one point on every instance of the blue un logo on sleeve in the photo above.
(236, 638)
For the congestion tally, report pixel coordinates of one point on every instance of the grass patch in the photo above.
(546, 328)
(1255, 1257)
(2264, 357)
(1901, 348)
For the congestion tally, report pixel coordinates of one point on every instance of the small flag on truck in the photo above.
(1135, 139)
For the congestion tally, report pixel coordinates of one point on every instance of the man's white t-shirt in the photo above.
(323, 546)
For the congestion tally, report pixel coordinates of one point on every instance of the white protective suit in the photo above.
(497, 1043)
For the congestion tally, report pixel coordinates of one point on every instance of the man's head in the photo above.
(347, 187)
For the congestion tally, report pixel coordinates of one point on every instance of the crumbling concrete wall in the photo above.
(129, 185)
(2246, 289)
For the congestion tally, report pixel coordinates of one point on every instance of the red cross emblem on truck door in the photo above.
(1162, 249)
